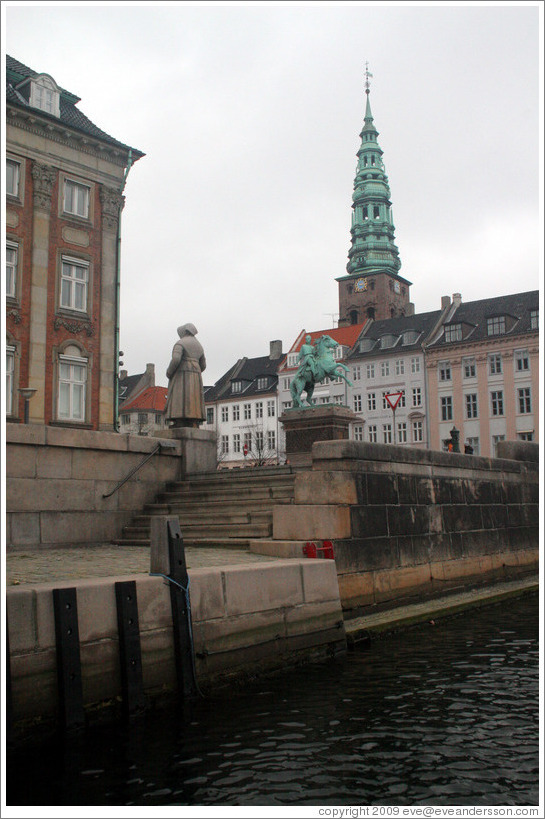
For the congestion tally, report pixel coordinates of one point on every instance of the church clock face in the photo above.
(360, 285)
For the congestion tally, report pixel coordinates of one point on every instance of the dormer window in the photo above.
(44, 94)
(387, 341)
(236, 386)
(495, 326)
(262, 383)
(453, 332)
(410, 337)
(367, 344)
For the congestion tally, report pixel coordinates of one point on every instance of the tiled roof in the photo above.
(474, 314)
(421, 323)
(345, 336)
(153, 399)
(247, 371)
(70, 115)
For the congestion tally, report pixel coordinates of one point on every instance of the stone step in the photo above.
(210, 494)
(232, 516)
(239, 543)
(205, 529)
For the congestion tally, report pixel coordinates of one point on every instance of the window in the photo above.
(44, 95)
(13, 177)
(522, 360)
(356, 373)
(11, 269)
(210, 415)
(370, 371)
(287, 383)
(474, 444)
(158, 418)
(262, 383)
(494, 364)
(142, 418)
(534, 319)
(74, 284)
(224, 444)
(286, 405)
(525, 400)
(271, 409)
(247, 412)
(446, 408)
(453, 332)
(417, 396)
(338, 399)
(400, 367)
(338, 352)
(415, 365)
(495, 441)
(10, 379)
(72, 385)
(271, 439)
(260, 440)
(371, 401)
(373, 434)
(292, 360)
(126, 419)
(76, 199)
(402, 402)
(388, 340)
(248, 440)
(444, 371)
(258, 409)
(385, 368)
(525, 436)
(496, 399)
(225, 414)
(358, 433)
(410, 337)
(471, 405)
(236, 442)
(236, 386)
(468, 367)
(236, 412)
(495, 326)
(357, 403)
(418, 432)
(387, 433)
(402, 433)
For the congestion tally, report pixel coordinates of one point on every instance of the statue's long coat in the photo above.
(185, 399)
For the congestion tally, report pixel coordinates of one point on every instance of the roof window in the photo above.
(44, 94)
(410, 337)
(388, 340)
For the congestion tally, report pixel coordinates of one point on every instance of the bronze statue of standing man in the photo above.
(185, 399)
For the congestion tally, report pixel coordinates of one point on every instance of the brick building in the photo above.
(64, 196)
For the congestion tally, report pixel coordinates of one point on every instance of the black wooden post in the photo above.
(179, 600)
(9, 705)
(130, 653)
(65, 607)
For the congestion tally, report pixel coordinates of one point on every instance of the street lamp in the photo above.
(27, 393)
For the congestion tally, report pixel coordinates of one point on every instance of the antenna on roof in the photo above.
(334, 317)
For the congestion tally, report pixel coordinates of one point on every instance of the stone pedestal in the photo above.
(304, 426)
(199, 449)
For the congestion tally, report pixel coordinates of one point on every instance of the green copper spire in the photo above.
(373, 249)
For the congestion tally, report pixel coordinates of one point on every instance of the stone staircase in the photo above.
(224, 509)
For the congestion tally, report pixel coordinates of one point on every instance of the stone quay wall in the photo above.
(56, 479)
(408, 524)
(245, 619)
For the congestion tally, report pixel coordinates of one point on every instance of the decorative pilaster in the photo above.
(112, 203)
(43, 177)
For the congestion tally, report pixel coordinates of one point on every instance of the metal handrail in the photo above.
(163, 444)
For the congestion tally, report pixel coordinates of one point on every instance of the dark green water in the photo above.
(437, 715)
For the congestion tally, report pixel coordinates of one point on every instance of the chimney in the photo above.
(150, 374)
(122, 375)
(275, 350)
(410, 309)
(445, 302)
(457, 299)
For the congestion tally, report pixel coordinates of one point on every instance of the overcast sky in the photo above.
(238, 217)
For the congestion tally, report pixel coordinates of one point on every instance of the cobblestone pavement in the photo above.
(47, 565)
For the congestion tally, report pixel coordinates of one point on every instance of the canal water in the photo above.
(441, 714)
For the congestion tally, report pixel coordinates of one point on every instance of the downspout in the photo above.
(117, 301)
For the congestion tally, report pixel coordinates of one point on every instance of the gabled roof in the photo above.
(17, 76)
(152, 399)
(516, 308)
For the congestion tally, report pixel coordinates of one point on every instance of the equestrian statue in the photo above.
(316, 363)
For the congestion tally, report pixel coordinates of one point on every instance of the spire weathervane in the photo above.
(367, 75)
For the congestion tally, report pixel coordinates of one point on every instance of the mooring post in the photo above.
(71, 711)
(130, 652)
(181, 617)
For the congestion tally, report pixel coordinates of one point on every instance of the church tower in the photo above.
(373, 287)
